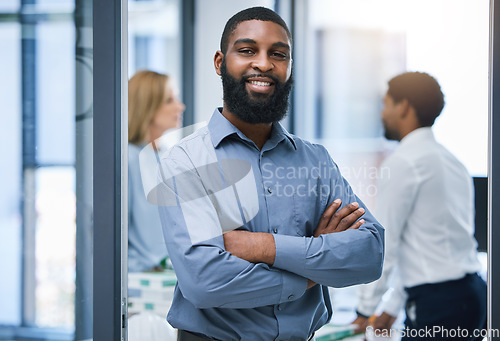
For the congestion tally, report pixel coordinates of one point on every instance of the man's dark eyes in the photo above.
(278, 55)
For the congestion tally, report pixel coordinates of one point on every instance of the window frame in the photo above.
(110, 169)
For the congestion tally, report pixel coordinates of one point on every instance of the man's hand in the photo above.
(384, 321)
(362, 323)
(254, 247)
(334, 220)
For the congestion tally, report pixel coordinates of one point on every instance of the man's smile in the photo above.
(260, 83)
(263, 85)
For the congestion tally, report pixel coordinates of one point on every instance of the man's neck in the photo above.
(409, 124)
(259, 133)
(408, 129)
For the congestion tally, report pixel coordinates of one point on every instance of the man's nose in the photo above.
(262, 62)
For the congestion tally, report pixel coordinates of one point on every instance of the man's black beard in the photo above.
(239, 103)
(390, 134)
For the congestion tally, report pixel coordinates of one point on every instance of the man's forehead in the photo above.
(250, 28)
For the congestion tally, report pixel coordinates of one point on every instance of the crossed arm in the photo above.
(234, 270)
(259, 247)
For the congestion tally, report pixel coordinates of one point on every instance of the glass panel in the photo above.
(46, 197)
(55, 246)
(10, 176)
(56, 93)
(9, 6)
(344, 58)
(154, 38)
(55, 6)
(56, 2)
(154, 43)
(357, 54)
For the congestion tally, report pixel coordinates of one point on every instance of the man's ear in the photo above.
(404, 107)
(219, 56)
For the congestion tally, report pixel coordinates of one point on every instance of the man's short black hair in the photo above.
(253, 13)
(422, 91)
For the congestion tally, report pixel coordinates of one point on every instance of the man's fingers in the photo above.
(357, 224)
(327, 215)
(337, 220)
(345, 211)
(347, 221)
(341, 214)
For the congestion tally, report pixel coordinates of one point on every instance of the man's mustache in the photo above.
(247, 77)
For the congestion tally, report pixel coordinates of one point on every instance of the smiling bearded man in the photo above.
(253, 264)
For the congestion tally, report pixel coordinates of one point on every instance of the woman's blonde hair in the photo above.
(146, 94)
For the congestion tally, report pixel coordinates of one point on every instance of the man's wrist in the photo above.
(267, 248)
(362, 315)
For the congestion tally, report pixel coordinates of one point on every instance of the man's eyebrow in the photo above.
(251, 41)
(245, 41)
(280, 44)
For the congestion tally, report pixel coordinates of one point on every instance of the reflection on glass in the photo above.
(55, 246)
(10, 176)
(155, 45)
(41, 93)
(354, 54)
(8, 6)
(55, 56)
(154, 37)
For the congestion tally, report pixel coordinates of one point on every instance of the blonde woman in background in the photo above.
(153, 108)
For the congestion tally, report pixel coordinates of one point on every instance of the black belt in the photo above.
(183, 335)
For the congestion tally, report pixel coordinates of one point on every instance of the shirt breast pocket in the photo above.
(308, 205)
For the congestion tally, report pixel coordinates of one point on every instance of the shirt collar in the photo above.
(418, 135)
(279, 133)
(220, 128)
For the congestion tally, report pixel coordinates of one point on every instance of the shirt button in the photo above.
(275, 230)
(290, 297)
(270, 190)
(279, 307)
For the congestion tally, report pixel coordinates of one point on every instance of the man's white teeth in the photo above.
(260, 83)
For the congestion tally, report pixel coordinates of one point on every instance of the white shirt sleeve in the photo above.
(398, 297)
(396, 192)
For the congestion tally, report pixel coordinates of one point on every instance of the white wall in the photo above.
(446, 38)
(453, 46)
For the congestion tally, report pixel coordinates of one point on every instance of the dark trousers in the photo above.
(445, 311)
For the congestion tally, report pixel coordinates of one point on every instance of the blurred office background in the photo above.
(345, 51)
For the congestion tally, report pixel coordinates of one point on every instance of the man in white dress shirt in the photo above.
(427, 207)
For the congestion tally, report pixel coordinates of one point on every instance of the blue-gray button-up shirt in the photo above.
(282, 189)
